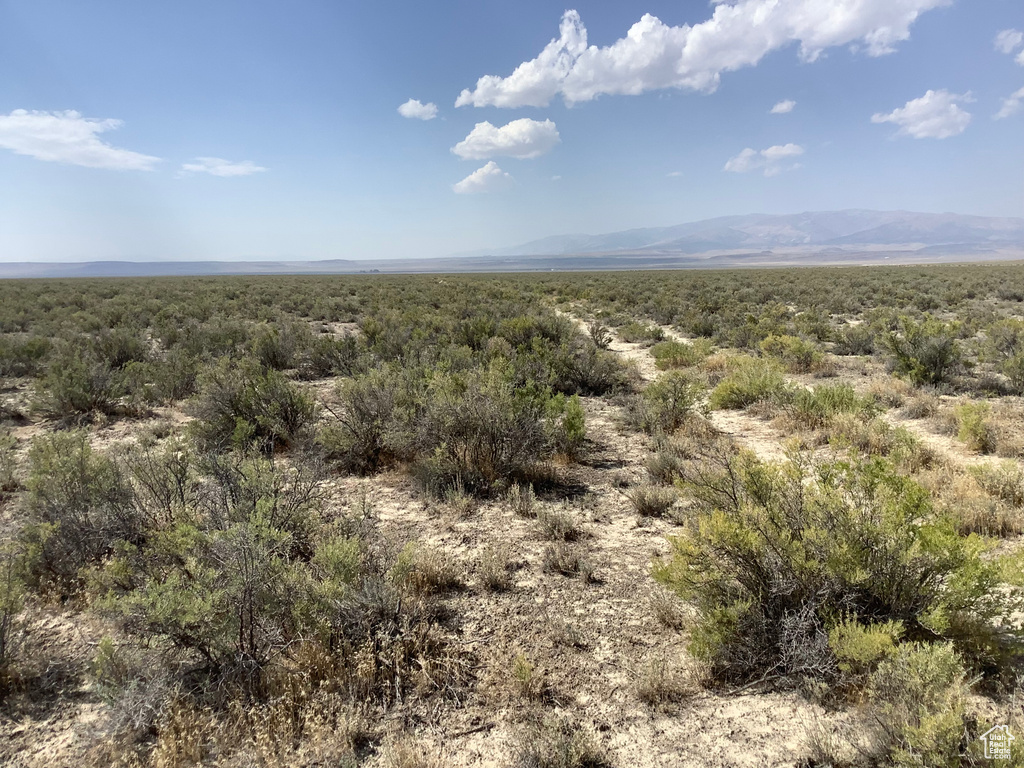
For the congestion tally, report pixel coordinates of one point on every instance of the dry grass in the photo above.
(522, 500)
(558, 524)
(652, 500)
(568, 560)
(878, 437)
(976, 499)
(407, 751)
(1004, 482)
(559, 743)
(526, 681)
(661, 682)
(460, 503)
(668, 609)
(495, 569)
(923, 405)
(426, 571)
(890, 391)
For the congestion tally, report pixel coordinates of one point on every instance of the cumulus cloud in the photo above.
(772, 160)
(533, 83)
(417, 110)
(1008, 40)
(936, 115)
(67, 137)
(485, 179)
(783, 107)
(523, 138)
(216, 166)
(654, 55)
(1011, 105)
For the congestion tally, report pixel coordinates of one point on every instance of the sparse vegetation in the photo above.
(750, 381)
(275, 522)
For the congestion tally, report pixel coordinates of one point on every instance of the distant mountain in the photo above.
(762, 231)
(758, 240)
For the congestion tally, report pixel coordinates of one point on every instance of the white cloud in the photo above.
(485, 179)
(654, 55)
(935, 115)
(674, 174)
(783, 107)
(523, 138)
(1008, 40)
(415, 109)
(216, 166)
(1020, 58)
(772, 160)
(533, 83)
(67, 137)
(1011, 105)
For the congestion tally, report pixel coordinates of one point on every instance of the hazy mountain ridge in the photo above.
(759, 231)
(813, 238)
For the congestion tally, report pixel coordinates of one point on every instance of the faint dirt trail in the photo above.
(946, 447)
(752, 433)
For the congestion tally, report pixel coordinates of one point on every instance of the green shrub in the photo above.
(777, 556)
(79, 506)
(78, 385)
(652, 500)
(815, 408)
(9, 477)
(917, 707)
(242, 405)
(855, 340)
(750, 381)
(570, 426)
(634, 332)
(22, 355)
(678, 354)
(327, 356)
(579, 367)
(12, 598)
(117, 347)
(795, 354)
(973, 427)
(277, 346)
(1013, 368)
(361, 434)
(668, 403)
(478, 429)
(859, 648)
(925, 352)
(600, 334)
(167, 379)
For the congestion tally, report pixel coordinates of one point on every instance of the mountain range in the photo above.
(841, 229)
(829, 237)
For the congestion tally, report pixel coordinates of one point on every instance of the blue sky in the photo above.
(270, 130)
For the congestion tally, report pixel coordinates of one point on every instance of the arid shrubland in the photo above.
(776, 557)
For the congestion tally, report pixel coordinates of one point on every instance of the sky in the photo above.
(320, 129)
